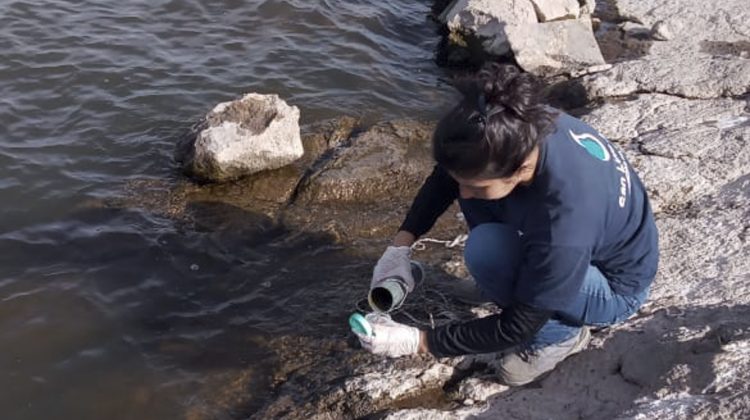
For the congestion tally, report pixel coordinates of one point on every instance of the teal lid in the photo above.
(359, 325)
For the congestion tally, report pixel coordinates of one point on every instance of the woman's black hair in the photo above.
(497, 124)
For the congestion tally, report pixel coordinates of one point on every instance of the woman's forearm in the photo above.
(404, 238)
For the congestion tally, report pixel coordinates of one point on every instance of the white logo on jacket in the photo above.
(604, 151)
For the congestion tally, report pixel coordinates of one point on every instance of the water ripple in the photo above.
(100, 304)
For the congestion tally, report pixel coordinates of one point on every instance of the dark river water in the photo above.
(125, 314)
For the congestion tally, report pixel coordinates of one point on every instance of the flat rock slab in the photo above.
(693, 75)
(702, 50)
(684, 150)
(679, 365)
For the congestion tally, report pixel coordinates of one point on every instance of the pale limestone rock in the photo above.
(693, 75)
(682, 149)
(624, 120)
(394, 383)
(555, 47)
(547, 10)
(480, 389)
(699, 56)
(242, 137)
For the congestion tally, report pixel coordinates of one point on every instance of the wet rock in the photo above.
(547, 10)
(394, 384)
(555, 47)
(489, 20)
(363, 190)
(322, 379)
(242, 137)
(390, 160)
(266, 192)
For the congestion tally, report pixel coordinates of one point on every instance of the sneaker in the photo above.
(527, 364)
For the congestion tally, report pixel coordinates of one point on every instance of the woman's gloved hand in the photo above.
(389, 338)
(395, 262)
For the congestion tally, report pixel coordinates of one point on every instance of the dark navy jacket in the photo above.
(585, 206)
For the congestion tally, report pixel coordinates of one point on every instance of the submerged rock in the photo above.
(266, 192)
(389, 160)
(242, 137)
(363, 189)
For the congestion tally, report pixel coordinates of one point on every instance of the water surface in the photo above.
(122, 313)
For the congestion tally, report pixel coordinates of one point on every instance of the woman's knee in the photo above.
(492, 251)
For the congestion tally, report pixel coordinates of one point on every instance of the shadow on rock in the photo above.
(620, 39)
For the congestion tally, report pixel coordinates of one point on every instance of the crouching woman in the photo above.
(562, 234)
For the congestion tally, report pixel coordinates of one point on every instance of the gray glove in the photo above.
(395, 262)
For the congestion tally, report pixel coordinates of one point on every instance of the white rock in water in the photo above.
(556, 47)
(547, 10)
(249, 135)
(489, 19)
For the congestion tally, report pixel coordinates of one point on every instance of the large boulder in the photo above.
(489, 20)
(554, 47)
(242, 137)
(545, 36)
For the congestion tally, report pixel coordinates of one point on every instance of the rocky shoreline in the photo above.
(674, 96)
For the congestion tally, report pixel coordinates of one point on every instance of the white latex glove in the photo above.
(395, 262)
(389, 338)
